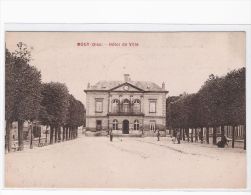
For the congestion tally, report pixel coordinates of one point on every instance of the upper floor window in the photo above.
(136, 105)
(115, 105)
(126, 105)
(152, 106)
(99, 105)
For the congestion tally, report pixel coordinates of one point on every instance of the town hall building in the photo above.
(125, 107)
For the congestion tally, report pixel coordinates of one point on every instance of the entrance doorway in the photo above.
(98, 125)
(125, 127)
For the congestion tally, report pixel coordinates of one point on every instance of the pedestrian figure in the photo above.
(222, 142)
(111, 136)
(158, 134)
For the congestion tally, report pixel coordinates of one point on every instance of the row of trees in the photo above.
(220, 102)
(28, 99)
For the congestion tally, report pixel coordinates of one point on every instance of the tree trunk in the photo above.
(7, 136)
(192, 135)
(20, 135)
(56, 136)
(244, 134)
(195, 135)
(67, 133)
(31, 136)
(207, 135)
(201, 134)
(46, 135)
(187, 133)
(183, 134)
(51, 134)
(59, 133)
(63, 133)
(39, 139)
(233, 135)
(222, 131)
(75, 132)
(65, 136)
(214, 135)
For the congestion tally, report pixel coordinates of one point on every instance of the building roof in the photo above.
(108, 85)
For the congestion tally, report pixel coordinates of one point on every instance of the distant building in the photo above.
(37, 130)
(126, 107)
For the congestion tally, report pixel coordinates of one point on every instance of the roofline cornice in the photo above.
(108, 91)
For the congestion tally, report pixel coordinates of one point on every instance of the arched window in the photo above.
(126, 105)
(136, 125)
(136, 105)
(115, 124)
(115, 105)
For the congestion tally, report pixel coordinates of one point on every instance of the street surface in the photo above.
(95, 162)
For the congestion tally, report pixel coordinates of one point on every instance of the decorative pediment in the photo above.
(127, 87)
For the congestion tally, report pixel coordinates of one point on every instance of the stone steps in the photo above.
(104, 133)
(127, 135)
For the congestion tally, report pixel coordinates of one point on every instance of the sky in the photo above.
(183, 60)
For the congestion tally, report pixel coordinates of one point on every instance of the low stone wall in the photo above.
(95, 133)
(132, 133)
(154, 134)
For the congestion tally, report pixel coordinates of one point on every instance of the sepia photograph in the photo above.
(125, 110)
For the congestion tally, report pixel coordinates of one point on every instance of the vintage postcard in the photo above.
(125, 110)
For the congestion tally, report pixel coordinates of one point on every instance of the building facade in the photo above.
(126, 107)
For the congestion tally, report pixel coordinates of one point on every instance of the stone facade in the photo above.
(126, 107)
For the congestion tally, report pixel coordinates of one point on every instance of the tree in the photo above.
(24, 86)
(170, 111)
(235, 92)
(219, 102)
(9, 96)
(54, 104)
(75, 117)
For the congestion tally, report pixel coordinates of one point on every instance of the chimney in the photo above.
(127, 77)
(163, 85)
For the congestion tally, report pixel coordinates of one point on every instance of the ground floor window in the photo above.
(136, 125)
(115, 124)
(152, 125)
